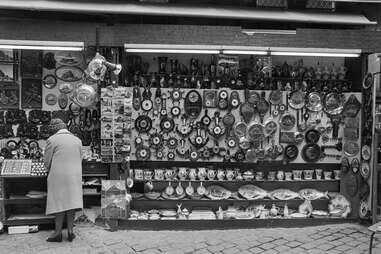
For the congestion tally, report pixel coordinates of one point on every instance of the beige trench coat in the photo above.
(63, 160)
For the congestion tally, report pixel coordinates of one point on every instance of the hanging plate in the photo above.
(228, 119)
(234, 100)
(156, 140)
(63, 100)
(351, 107)
(51, 99)
(255, 132)
(143, 124)
(297, 99)
(351, 184)
(333, 103)
(66, 88)
(368, 81)
(262, 105)
(193, 104)
(365, 170)
(275, 97)
(69, 58)
(355, 165)
(240, 129)
(253, 97)
(210, 98)
(287, 122)
(365, 152)
(175, 111)
(351, 148)
(69, 73)
(49, 81)
(311, 153)
(314, 102)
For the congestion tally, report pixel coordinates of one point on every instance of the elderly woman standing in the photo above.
(63, 161)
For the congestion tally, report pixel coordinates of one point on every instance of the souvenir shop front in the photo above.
(213, 135)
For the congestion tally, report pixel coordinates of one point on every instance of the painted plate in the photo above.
(51, 99)
(69, 73)
(49, 81)
(69, 58)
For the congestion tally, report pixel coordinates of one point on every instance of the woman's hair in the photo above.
(57, 124)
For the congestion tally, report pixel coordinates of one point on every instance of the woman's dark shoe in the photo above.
(70, 236)
(55, 239)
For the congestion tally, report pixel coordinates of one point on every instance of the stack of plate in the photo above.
(202, 215)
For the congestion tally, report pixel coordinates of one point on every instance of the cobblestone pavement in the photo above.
(342, 238)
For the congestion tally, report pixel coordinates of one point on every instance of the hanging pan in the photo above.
(333, 103)
(291, 152)
(255, 132)
(287, 121)
(297, 99)
(240, 129)
(311, 152)
(263, 106)
(312, 136)
(314, 102)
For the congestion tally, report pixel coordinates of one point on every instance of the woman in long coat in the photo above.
(63, 160)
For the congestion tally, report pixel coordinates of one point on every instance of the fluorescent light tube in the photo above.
(244, 52)
(268, 31)
(286, 53)
(41, 45)
(172, 51)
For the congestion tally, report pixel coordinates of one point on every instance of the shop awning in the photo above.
(200, 11)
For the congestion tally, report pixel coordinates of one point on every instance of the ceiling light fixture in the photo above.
(172, 51)
(268, 31)
(321, 54)
(42, 45)
(245, 52)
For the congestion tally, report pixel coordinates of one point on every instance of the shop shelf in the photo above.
(21, 176)
(260, 166)
(9, 62)
(231, 224)
(91, 194)
(23, 201)
(94, 175)
(28, 219)
(244, 181)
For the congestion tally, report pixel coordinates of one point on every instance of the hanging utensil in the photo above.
(287, 121)
(193, 104)
(311, 152)
(291, 153)
(351, 148)
(312, 136)
(240, 129)
(143, 124)
(314, 102)
(262, 106)
(255, 132)
(234, 100)
(333, 103)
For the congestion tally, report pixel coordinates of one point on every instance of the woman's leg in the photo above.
(70, 220)
(59, 222)
(57, 235)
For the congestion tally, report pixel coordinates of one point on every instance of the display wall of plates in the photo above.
(249, 126)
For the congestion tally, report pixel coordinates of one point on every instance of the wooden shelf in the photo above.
(21, 176)
(31, 219)
(94, 175)
(243, 181)
(230, 224)
(91, 194)
(23, 200)
(260, 166)
(11, 62)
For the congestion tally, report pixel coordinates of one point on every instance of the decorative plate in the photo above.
(69, 73)
(49, 81)
(69, 58)
(351, 148)
(216, 192)
(51, 99)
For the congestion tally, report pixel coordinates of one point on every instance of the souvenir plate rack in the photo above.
(287, 133)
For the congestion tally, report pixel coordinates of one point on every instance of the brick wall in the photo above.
(117, 35)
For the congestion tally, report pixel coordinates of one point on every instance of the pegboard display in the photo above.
(248, 126)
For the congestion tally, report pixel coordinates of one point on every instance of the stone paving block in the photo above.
(279, 241)
(270, 252)
(256, 250)
(267, 246)
(151, 251)
(293, 244)
(282, 248)
(308, 246)
(202, 251)
(125, 250)
(337, 242)
(109, 242)
(265, 239)
(231, 250)
(343, 248)
(326, 246)
(314, 251)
